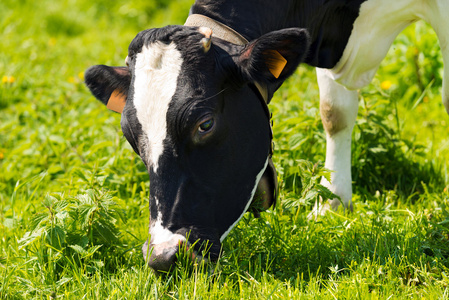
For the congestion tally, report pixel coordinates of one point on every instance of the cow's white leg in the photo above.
(445, 52)
(435, 13)
(338, 108)
(379, 22)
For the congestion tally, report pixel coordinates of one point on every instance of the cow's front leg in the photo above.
(338, 108)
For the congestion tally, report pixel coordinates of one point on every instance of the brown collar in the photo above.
(219, 30)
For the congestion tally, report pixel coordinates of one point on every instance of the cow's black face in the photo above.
(197, 122)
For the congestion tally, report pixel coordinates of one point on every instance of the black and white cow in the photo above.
(193, 101)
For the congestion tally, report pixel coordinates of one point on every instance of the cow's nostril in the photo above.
(163, 258)
(163, 255)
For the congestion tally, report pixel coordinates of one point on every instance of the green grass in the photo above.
(74, 196)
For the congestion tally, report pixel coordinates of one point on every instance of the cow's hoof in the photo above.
(320, 208)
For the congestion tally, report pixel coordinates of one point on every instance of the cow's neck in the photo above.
(251, 18)
(329, 22)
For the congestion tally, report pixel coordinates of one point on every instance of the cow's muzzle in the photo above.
(162, 256)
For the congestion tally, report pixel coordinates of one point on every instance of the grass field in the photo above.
(74, 196)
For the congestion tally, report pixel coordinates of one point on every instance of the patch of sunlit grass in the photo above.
(63, 159)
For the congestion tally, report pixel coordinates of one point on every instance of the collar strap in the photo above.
(226, 33)
(219, 30)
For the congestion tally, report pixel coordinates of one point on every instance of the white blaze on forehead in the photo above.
(156, 73)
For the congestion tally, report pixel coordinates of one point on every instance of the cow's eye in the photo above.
(206, 126)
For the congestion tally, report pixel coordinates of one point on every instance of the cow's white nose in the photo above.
(160, 257)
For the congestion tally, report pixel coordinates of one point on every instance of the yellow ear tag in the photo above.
(276, 62)
(117, 101)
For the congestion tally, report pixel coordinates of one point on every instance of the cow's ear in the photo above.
(110, 85)
(274, 56)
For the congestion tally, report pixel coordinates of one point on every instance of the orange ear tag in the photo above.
(277, 63)
(117, 101)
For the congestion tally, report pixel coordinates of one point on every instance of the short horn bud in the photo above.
(206, 41)
(206, 31)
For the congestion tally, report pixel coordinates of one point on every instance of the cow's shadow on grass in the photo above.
(291, 248)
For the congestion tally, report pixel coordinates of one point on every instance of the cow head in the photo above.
(191, 111)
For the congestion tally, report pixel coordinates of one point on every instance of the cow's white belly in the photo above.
(378, 24)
